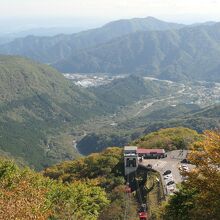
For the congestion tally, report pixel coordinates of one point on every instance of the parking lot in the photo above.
(173, 163)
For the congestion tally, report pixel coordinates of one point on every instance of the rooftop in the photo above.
(150, 151)
(130, 148)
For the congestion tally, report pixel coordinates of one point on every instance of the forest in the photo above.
(93, 187)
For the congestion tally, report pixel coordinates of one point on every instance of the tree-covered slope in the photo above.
(169, 139)
(124, 91)
(35, 102)
(26, 194)
(105, 170)
(190, 53)
(183, 115)
(40, 109)
(198, 196)
(200, 120)
(93, 187)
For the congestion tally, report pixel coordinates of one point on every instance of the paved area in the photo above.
(171, 162)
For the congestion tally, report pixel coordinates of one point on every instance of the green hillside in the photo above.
(169, 139)
(40, 109)
(35, 103)
(200, 120)
(124, 91)
(183, 115)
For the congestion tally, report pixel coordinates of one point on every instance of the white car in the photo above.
(168, 180)
(184, 167)
(168, 176)
(171, 189)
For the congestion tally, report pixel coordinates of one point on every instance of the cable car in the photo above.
(143, 212)
(127, 188)
(143, 216)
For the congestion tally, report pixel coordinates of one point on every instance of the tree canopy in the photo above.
(25, 194)
(199, 197)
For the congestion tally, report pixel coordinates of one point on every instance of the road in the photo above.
(146, 106)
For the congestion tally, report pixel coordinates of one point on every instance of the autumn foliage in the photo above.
(199, 197)
(25, 194)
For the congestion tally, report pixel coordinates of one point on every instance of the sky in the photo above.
(95, 12)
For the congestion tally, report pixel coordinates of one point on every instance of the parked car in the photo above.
(185, 161)
(184, 167)
(167, 172)
(171, 188)
(170, 183)
(168, 180)
(168, 176)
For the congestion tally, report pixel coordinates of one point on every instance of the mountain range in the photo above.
(141, 46)
(184, 54)
(53, 49)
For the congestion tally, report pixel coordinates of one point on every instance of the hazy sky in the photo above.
(187, 11)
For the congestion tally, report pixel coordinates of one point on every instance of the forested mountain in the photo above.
(35, 101)
(124, 91)
(187, 54)
(53, 49)
(199, 120)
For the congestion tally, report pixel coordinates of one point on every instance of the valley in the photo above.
(180, 100)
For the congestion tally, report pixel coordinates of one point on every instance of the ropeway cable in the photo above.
(138, 189)
(127, 198)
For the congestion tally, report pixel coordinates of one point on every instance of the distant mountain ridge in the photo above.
(53, 49)
(190, 53)
(139, 46)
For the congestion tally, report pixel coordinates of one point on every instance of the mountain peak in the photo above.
(150, 18)
(143, 24)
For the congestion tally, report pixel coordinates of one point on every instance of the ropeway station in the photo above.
(133, 153)
(130, 159)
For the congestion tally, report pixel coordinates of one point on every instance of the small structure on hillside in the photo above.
(130, 159)
(151, 153)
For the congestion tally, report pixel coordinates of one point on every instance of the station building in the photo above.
(133, 153)
(151, 153)
(130, 159)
